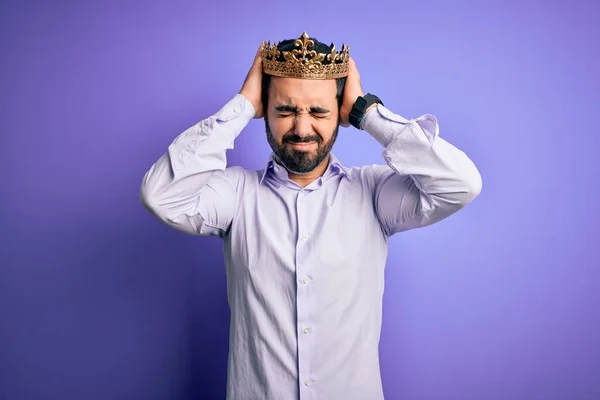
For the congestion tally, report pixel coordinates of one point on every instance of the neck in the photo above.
(308, 178)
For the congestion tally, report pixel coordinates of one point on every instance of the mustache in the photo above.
(293, 138)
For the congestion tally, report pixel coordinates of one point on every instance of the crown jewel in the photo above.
(304, 62)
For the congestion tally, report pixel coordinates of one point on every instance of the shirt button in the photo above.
(305, 281)
(277, 169)
(236, 110)
(305, 236)
(308, 382)
(306, 330)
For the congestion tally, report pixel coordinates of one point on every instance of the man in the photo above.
(306, 238)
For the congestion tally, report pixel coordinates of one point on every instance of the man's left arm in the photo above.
(426, 178)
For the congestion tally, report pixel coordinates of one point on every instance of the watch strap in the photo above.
(359, 108)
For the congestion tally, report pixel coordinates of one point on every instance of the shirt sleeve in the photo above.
(426, 179)
(190, 187)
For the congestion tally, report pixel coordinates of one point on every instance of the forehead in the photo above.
(302, 91)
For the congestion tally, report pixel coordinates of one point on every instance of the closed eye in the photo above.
(314, 115)
(285, 111)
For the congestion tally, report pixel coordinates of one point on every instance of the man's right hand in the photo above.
(252, 87)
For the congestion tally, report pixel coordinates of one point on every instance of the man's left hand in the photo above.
(352, 90)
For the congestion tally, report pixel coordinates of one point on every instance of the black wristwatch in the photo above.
(360, 106)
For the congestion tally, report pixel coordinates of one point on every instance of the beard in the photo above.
(298, 161)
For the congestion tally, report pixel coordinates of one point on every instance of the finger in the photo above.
(258, 57)
(352, 68)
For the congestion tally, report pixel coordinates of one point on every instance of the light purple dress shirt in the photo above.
(305, 266)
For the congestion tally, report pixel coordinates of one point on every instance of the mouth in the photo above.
(301, 146)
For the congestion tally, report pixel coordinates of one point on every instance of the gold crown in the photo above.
(304, 63)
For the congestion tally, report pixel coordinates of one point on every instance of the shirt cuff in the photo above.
(238, 109)
(384, 125)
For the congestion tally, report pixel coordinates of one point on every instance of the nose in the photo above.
(303, 125)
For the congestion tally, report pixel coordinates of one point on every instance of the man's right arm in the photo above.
(190, 187)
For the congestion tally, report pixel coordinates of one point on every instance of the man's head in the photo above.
(302, 115)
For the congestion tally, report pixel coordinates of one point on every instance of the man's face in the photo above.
(302, 121)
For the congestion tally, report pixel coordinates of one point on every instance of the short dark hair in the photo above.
(288, 45)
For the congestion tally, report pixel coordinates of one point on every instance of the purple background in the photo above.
(98, 300)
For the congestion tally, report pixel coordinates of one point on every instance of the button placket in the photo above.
(303, 294)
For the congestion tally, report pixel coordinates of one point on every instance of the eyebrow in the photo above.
(291, 108)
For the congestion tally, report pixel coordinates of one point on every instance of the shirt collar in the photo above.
(335, 167)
